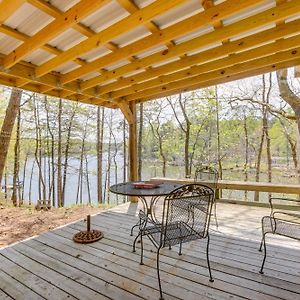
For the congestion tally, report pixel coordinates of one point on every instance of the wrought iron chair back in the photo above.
(185, 217)
(280, 222)
(184, 223)
(209, 173)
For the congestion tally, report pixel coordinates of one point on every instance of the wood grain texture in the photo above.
(52, 266)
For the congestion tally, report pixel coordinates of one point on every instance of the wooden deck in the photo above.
(51, 266)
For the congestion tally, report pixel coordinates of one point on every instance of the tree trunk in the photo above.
(14, 196)
(66, 154)
(294, 101)
(218, 137)
(59, 182)
(7, 126)
(109, 159)
(24, 175)
(30, 182)
(88, 180)
(52, 169)
(266, 125)
(246, 152)
(5, 184)
(100, 130)
(37, 152)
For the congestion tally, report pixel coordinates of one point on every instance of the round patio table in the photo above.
(128, 189)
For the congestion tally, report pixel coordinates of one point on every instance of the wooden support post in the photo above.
(133, 174)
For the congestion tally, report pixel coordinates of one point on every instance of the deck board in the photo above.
(52, 266)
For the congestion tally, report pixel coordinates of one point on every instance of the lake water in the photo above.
(149, 170)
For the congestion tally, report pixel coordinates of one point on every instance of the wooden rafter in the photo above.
(131, 7)
(208, 55)
(8, 7)
(246, 56)
(51, 10)
(209, 16)
(236, 47)
(8, 80)
(55, 13)
(269, 63)
(24, 37)
(59, 25)
(226, 79)
(220, 34)
(26, 72)
(138, 18)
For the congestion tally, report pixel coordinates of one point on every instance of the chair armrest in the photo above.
(287, 216)
(273, 199)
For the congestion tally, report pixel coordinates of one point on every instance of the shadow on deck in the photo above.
(52, 266)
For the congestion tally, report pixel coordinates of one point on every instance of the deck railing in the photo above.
(285, 190)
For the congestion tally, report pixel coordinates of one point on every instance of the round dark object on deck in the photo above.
(85, 237)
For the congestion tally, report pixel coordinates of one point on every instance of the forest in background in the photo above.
(245, 129)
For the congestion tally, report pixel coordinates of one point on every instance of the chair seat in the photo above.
(176, 233)
(288, 226)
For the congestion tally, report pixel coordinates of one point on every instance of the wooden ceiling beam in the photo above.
(131, 7)
(8, 7)
(32, 87)
(56, 13)
(223, 10)
(208, 83)
(50, 81)
(271, 62)
(72, 16)
(198, 70)
(24, 37)
(220, 34)
(138, 18)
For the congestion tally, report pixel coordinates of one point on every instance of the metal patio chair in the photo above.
(208, 173)
(281, 223)
(178, 224)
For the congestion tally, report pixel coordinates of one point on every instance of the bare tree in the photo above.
(264, 133)
(7, 126)
(185, 127)
(66, 152)
(156, 131)
(293, 100)
(59, 153)
(14, 196)
(100, 131)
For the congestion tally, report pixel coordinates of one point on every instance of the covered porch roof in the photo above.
(116, 52)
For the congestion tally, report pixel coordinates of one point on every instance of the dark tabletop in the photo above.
(128, 189)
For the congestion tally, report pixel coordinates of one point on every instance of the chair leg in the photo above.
(262, 235)
(215, 214)
(136, 225)
(134, 242)
(142, 249)
(265, 254)
(139, 234)
(158, 274)
(261, 243)
(180, 248)
(207, 259)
